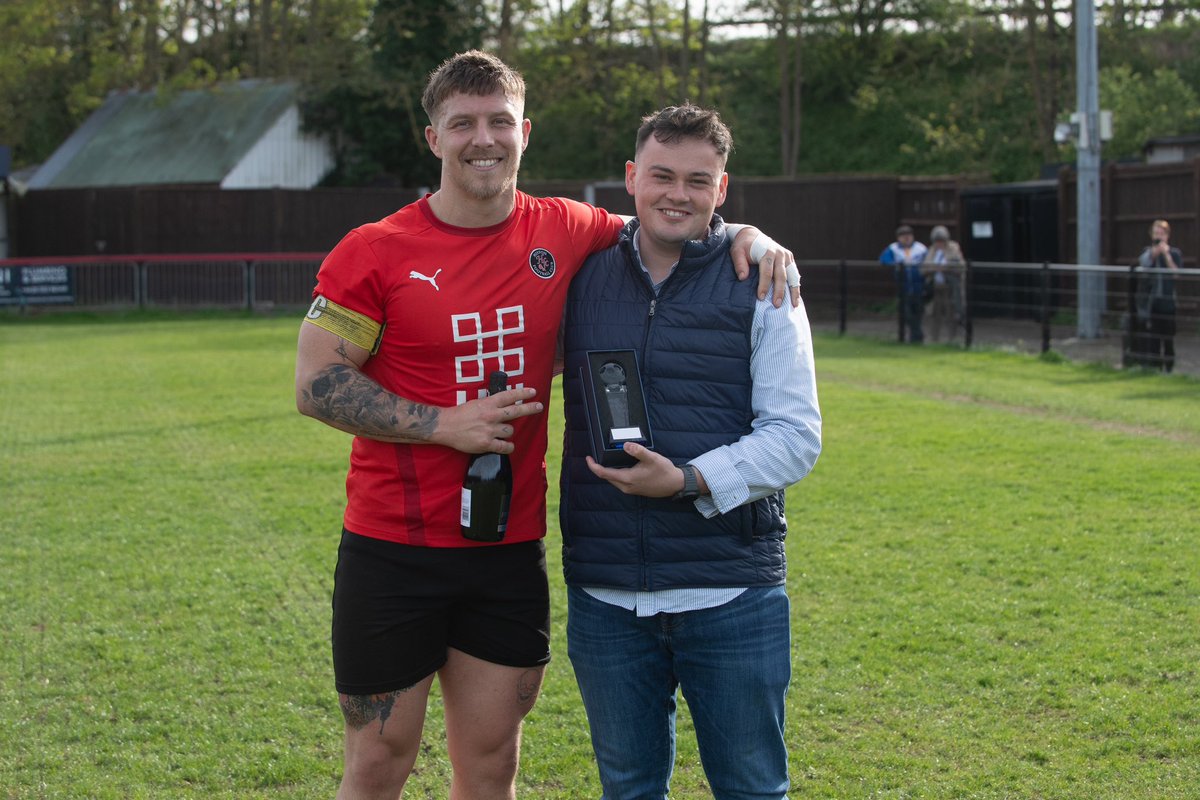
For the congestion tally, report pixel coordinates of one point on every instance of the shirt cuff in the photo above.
(727, 489)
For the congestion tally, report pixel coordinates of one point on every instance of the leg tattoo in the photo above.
(527, 686)
(363, 709)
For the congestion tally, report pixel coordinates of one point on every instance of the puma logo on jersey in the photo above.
(432, 280)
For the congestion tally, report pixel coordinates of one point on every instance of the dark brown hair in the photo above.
(675, 123)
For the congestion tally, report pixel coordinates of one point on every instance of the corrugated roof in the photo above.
(196, 136)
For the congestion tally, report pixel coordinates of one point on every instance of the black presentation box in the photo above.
(616, 405)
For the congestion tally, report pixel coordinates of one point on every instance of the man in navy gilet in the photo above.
(675, 566)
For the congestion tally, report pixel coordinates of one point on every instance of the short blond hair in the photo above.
(1160, 223)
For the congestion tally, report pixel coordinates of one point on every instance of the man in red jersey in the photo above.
(410, 315)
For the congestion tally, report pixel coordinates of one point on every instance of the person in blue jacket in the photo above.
(907, 255)
(675, 566)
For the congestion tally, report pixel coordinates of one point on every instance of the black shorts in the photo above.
(397, 608)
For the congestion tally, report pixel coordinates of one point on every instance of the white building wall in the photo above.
(1172, 149)
(285, 157)
(1168, 154)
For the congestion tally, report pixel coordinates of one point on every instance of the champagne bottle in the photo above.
(487, 487)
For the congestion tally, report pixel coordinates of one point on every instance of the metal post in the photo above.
(901, 305)
(248, 282)
(1087, 149)
(968, 325)
(843, 292)
(139, 285)
(19, 288)
(1129, 349)
(1045, 306)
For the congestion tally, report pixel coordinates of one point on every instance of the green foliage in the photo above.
(1144, 106)
(584, 114)
(992, 572)
(374, 111)
(59, 59)
(919, 88)
(31, 121)
(946, 102)
(1145, 49)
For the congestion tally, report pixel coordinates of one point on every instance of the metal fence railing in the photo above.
(251, 281)
(1030, 307)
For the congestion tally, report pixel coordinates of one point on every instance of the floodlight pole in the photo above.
(1087, 185)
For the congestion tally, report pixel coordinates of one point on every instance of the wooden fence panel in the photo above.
(53, 222)
(818, 217)
(283, 283)
(1132, 196)
(195, 284)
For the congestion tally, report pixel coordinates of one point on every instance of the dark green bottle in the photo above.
(487, 487)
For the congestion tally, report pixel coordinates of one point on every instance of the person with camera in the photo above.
(1156, 300)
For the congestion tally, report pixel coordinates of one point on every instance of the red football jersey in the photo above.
(458, 304)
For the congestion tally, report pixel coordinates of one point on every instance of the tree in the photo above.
(1044, 51)
(33, 115)
(1146, 106)
(896, 86)
(787, 21)
(373, 111)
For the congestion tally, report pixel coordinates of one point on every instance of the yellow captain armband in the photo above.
(356, 328)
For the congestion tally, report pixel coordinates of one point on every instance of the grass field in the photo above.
(995, 573)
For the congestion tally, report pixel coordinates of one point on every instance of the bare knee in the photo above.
(374, 772)
(485, 705)
(486, 774)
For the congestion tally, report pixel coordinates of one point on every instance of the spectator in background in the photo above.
(907, 255)
(1156, 298)
(945, 258)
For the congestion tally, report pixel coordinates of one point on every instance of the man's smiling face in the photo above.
(480, 139)
(676, 187)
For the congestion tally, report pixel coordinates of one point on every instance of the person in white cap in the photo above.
(946, 258)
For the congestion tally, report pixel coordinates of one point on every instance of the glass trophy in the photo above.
(616, 406)
(616, 393)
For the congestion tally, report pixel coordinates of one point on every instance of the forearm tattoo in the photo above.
(361, 710)
(345, 398)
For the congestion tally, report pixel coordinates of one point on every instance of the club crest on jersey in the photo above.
(541, 261)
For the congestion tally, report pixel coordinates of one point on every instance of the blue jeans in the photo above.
(733, 663)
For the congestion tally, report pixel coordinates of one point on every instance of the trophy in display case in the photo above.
(616, 405)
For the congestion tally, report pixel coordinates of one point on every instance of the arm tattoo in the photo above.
(345, 398)
(362, 709)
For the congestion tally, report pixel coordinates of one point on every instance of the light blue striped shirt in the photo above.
(780, 449)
